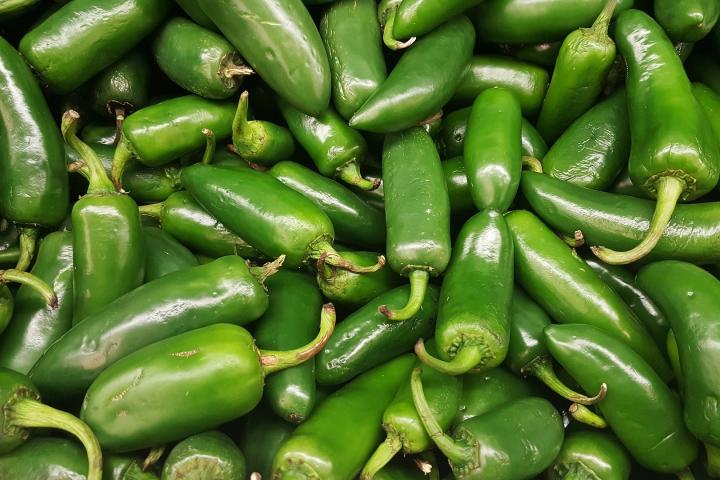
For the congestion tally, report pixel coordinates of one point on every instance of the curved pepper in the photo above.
(208, 455)
(415, 18)
(687, 21)
(590, 455)
(45, 458)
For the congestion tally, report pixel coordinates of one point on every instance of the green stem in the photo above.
(543, 370)
(583, 414)
(97, 176)
(685, 474)
(123, 155)
(385, 452)
(464, 360)
(274, 361)
(267, 270)
(576, 241)
(152, 210)
(153, 457)
(418, 286)
(210, 144)
(36, 283)
(669, 190)
(240, 121)
(325, 254)
(350, 174)
(27, 412)
(388, 39)
(456, 453)
(713, 461)
(532, 164)
(602, 22)
(27, 241)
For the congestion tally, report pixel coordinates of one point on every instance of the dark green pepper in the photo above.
(209, 455)
(7, 302)
(196, 13)
(164, 254)
(262, 433)
(710, 102)
(96, 133)
(543, 54)
(687, 21)
(589, 454)
(414, 18)
(9, 10)
(702, 67)
(486, 391)
(673, 353)
(45, 459)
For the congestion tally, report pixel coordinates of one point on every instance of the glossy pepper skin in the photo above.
(688, 295)
(543, 53)
(217, 371)
(570, 292)
(261, 435)
(415, 18)
(417, 213)
(164, 254)
(472, 329)
(687, 21)
(221, 291)
(581, 70)
(492, 149)
(342, 432)
(45, 459)
(641, 410)
(35, 326)
(209, 455)
(351, 34)
(710, 102)
(527, 81)
(366, 338)
(196, 13)
(593, 150)
(486, 391)
(280, 41)
(82, 38)
(674, 158)
(620, 221)
(422, 81)
(289, 322)
(590, 454)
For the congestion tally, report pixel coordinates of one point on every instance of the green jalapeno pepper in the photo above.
(196, 13)
(620, 221)
(340, 435)
(580, 72)
(96, 133)
(486, 391)
(261, 435)
(125, 467)
(367, 338)
(9, 10)
(473, 325)
(274, 218)
(490, 446)
(217, 371)
(209, 455)
(570, 292)
(672, 157)
(414, 18)
(7, 302)
(45, 459)
(641, 410)
(673, 353)
(544, 54)
(386, 16)
(458, 186)
(351, 33)
(83, 37)
(588, 454)
(292, 61)
(417, 214)
(224, 290)
(492, 149)
(31, 155)
(594, 148)
(199, 60)
(423, 80)
(710, 103)
(687, 21)
(164, 254)
(22, 409)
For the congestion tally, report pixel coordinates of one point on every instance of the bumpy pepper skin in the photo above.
(164, 254)
(45, 459)
(351, 34)
(527, 81)
(209, 455)
(422, 81)
(220, 291)
(280, 41)
(590, 454)
(83, 37)
(344, 429)
(641, 410)
(594, 148)
(486, 391)
(687, 21)
(261, 435)
(620, 221)
(690, 297)
(570, 292)
(123, 87)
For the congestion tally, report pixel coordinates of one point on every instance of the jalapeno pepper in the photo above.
(710, 103)
(417, 214)
(31, 155)
(7, 302)
(224, 290)
(45, 458)
(292, 61)
(422, 82)
(492, 149)
(587, 454)
(274, 218)
(164, 254)
(620, 221)
(196, 13)
(386, 16)
(209, 454)
(12, 9)
(672, 157)
(544, 54)
(639, 407)
(570, 292)
(687, 21)
(489, 446)
(366, 338)
(82, 38)
(344, 429)
(97, 133)
(261, 435)
(216, 370)
(673, 353)
(486, 391)
(415, 18)
(472, 329)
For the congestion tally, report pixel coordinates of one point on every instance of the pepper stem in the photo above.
(453, 451)
(381, 457)
(209, 146)
(388, 39)
(36, 283)
(576, 241)
(97, 176)
(274, 361)
(266, 271)
(153, 457)
(427, 464)
(119, 120)
(30, 413)
(350, 174)
(685, 474)
(26, 241)
(123, 155)
(583, 414)
(532, 164)
(325, 254)
(464, 360)
(542, 369)
(713, 460)
(602, 22)
(151, 210)
(240, 123)
(234, 70)
(418, 286)
(669, 190)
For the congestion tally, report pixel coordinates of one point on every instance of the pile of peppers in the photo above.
(359, 239)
